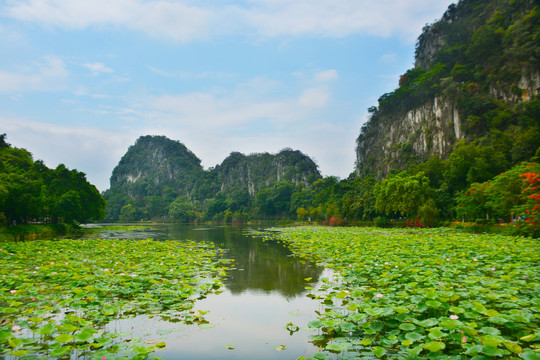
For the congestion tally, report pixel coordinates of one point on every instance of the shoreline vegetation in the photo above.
(36, 231)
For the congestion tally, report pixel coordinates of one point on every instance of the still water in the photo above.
(263, 293)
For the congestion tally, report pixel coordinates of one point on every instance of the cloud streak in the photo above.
(173, 20)
(49, 75)
(98, 68)
(269, 18)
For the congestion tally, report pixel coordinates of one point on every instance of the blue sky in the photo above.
(81, 80)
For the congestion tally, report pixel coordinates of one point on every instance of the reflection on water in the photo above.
(260, 265)
(264, 292)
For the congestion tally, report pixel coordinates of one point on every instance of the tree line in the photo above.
(31, 192)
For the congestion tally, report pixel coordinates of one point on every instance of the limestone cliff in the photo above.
(431, 129)
(156, 170)
(153, 163)
(260, 171)
(473, 69)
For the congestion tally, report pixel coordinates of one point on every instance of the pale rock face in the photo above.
(431, 129)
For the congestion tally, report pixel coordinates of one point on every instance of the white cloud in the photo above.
(327, 75)
(190, 75)
(178, 21)
(92, 151)
(97, 68)
(158, 18)
(204, 110)
(330, 18)
(48, 75)
(389, 58)
(314, 97)
(10, 35)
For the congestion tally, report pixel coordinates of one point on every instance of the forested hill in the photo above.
(30, 191)
(161, 178)
(254, 172)
(475, 83)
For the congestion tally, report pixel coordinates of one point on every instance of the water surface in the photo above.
(264, 291)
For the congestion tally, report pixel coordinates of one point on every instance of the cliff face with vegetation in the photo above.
(255, 172)
(156, 171)
(476, 78)
(155, 163)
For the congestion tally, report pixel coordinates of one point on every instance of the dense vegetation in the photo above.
(483, 57)
(159, 178)
(30, 191)
(423, 294)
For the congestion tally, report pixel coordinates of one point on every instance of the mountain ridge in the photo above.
(156, 170)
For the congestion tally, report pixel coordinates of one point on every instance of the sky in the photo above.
(81, 80)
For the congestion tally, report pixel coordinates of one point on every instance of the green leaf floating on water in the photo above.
(20, 352)
(425, 290)
(530, 355)
(414, 336)
(434, 346)
(378, 351)
(366, 342)
(407, 326)
(513, 347)
(529, 337)
(450, 323)
(206, 326)
(341, 346)
(90, 282)
(64, 338)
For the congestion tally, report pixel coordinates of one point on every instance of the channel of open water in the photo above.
(263, 293)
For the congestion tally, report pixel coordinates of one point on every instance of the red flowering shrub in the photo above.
(336, 221)
(414, 223)
(530, 210)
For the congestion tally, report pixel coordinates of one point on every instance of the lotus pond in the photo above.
(415, 294)
(402, 294)
(117, 295)
(57, 295)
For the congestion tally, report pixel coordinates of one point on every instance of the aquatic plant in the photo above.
(423, 293)
(56, 296)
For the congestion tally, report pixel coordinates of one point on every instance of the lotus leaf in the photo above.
(438, 283)
(65, 291)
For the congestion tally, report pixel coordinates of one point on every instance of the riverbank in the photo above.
(36, 231)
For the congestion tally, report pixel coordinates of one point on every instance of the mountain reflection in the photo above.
(266, 266)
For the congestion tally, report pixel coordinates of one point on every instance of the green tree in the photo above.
(402, 194)
(128, 213)
(181, 209)
(216, 206)
(301, 213)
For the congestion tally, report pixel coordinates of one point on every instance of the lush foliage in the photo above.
(159, 178)
(481, 59)
(507, 197)
(37, 231)
(31, 191)
(403, 194)
(415, 294)
(56, 296)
